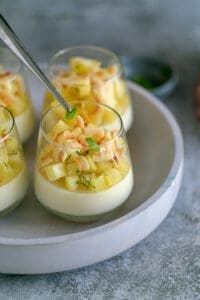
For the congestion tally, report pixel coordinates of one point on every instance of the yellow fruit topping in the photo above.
(78, 156)
(83, 65)
(55, 171)
(87, 79)
(11, 158)
(13, 94)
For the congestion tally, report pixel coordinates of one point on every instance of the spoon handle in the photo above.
(13, 42)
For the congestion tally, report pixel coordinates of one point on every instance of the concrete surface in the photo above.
(166, 265)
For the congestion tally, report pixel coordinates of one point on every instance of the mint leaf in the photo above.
(93, 144)
(70, 114)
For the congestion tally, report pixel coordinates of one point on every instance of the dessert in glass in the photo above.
(90, 73)
(83, 171)
(14, 94)
(13, 174)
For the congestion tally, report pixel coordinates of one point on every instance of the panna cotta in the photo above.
(87, 79)
(82, 203)
(13, 174)
(82, 170)
(14, 96)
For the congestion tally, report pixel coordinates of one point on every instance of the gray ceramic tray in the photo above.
(33, 241)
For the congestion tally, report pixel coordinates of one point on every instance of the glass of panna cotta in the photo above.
(14, 94)
(83, 171)
(90, 73)
(13, 174)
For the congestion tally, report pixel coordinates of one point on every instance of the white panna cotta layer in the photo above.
(13, 191)
(82, 203)
(25, 123)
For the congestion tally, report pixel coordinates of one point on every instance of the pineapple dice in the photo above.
(108, 180)
(83, 65)
(47, 151)
(71, 182)
(6, 172)
(113, 175)
(92, 164)
(12, 145)
(18, 106)
(71, 168)
(102, 166)
(3, 154)
(71, 93)
(107, 94)
(96, 117)
(15, 160)
(84, 90)
(55, 171)
(81, 86)
(109, 117)
(99, 183)
(60, 127)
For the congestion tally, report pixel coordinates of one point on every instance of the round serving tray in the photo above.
(33, 241)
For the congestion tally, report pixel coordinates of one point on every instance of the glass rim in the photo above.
(118, 134)
(12, 124)
(18, 68)
(90, 47)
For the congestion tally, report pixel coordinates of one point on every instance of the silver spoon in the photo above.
(13, 42)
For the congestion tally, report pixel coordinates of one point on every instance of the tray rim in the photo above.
(167, 183)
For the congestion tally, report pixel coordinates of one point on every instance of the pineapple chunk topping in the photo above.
(13, 94)
(83, 157)
(55, 171)
(11, 159)
(87, 79)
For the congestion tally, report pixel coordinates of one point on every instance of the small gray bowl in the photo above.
(156, 76)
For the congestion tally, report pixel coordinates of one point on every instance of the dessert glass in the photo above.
(13, 174)
(14, 94)
(90, 73)
(82, 171)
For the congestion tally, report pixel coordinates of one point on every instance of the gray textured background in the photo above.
(166, 265)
